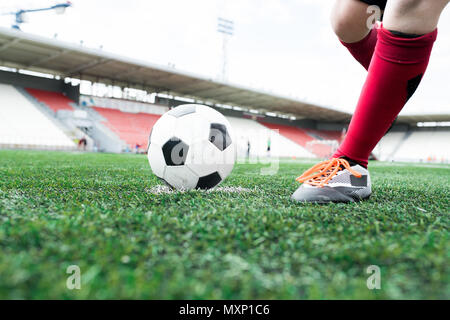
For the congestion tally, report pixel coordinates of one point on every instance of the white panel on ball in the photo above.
(211, 115)
(203, 158)
(163, 129)
(228, 158)
(191, 128)
(180, 177)
(156, 159)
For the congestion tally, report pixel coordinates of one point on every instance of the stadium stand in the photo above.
(425, 146)
(325, 134)
(322, 148)
(123, 105)
(295, 134)
(388, 145)
(305, 139)
(56, 101)
(45, 119)
(133, 128)
(258, 135)
(23, 125)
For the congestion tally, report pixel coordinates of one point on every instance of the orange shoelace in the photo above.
(321, 173)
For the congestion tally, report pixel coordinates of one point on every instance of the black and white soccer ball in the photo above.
(192, 147)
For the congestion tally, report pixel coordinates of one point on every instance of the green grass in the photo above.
(97, 211)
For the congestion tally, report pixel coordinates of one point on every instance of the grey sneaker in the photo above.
(334, 180)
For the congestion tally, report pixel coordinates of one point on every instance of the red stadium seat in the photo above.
(327, 135)
(295, 134)
(133, 128)
(54, 100)
(301, 137)
(321, 150)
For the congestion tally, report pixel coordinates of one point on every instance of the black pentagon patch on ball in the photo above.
(182, 110)
(218, 136)
(209, 181)
(175, 152)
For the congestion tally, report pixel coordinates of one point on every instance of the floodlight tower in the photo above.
(20, 14)
(226, 28)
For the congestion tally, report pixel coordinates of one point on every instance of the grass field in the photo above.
(102, 213)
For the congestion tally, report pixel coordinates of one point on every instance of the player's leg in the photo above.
(353, 24)
(401, 57)
(399, 62)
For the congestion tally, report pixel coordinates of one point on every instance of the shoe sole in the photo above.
(350, 200)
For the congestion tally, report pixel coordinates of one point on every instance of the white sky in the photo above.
(282, 46)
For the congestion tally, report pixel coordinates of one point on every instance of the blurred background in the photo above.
(95, 75)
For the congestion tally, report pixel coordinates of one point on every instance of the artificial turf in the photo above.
(101, 212)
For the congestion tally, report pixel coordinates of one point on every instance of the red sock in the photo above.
(363, 50)
(394, 74)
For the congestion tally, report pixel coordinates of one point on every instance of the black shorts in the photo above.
(380, 3)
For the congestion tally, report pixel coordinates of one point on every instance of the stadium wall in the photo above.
(27, 81)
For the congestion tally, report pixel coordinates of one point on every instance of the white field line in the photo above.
(162, 189)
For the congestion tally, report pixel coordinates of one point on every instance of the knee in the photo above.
(349, 20)
(342, 27)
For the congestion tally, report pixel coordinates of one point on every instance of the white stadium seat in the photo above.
(430, 145)
(22, 124)
(424, 146)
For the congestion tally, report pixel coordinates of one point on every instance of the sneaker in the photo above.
(334, 180)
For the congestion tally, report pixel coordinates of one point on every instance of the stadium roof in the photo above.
(25, 51)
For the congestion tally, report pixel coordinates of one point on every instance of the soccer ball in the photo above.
(192, 147)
